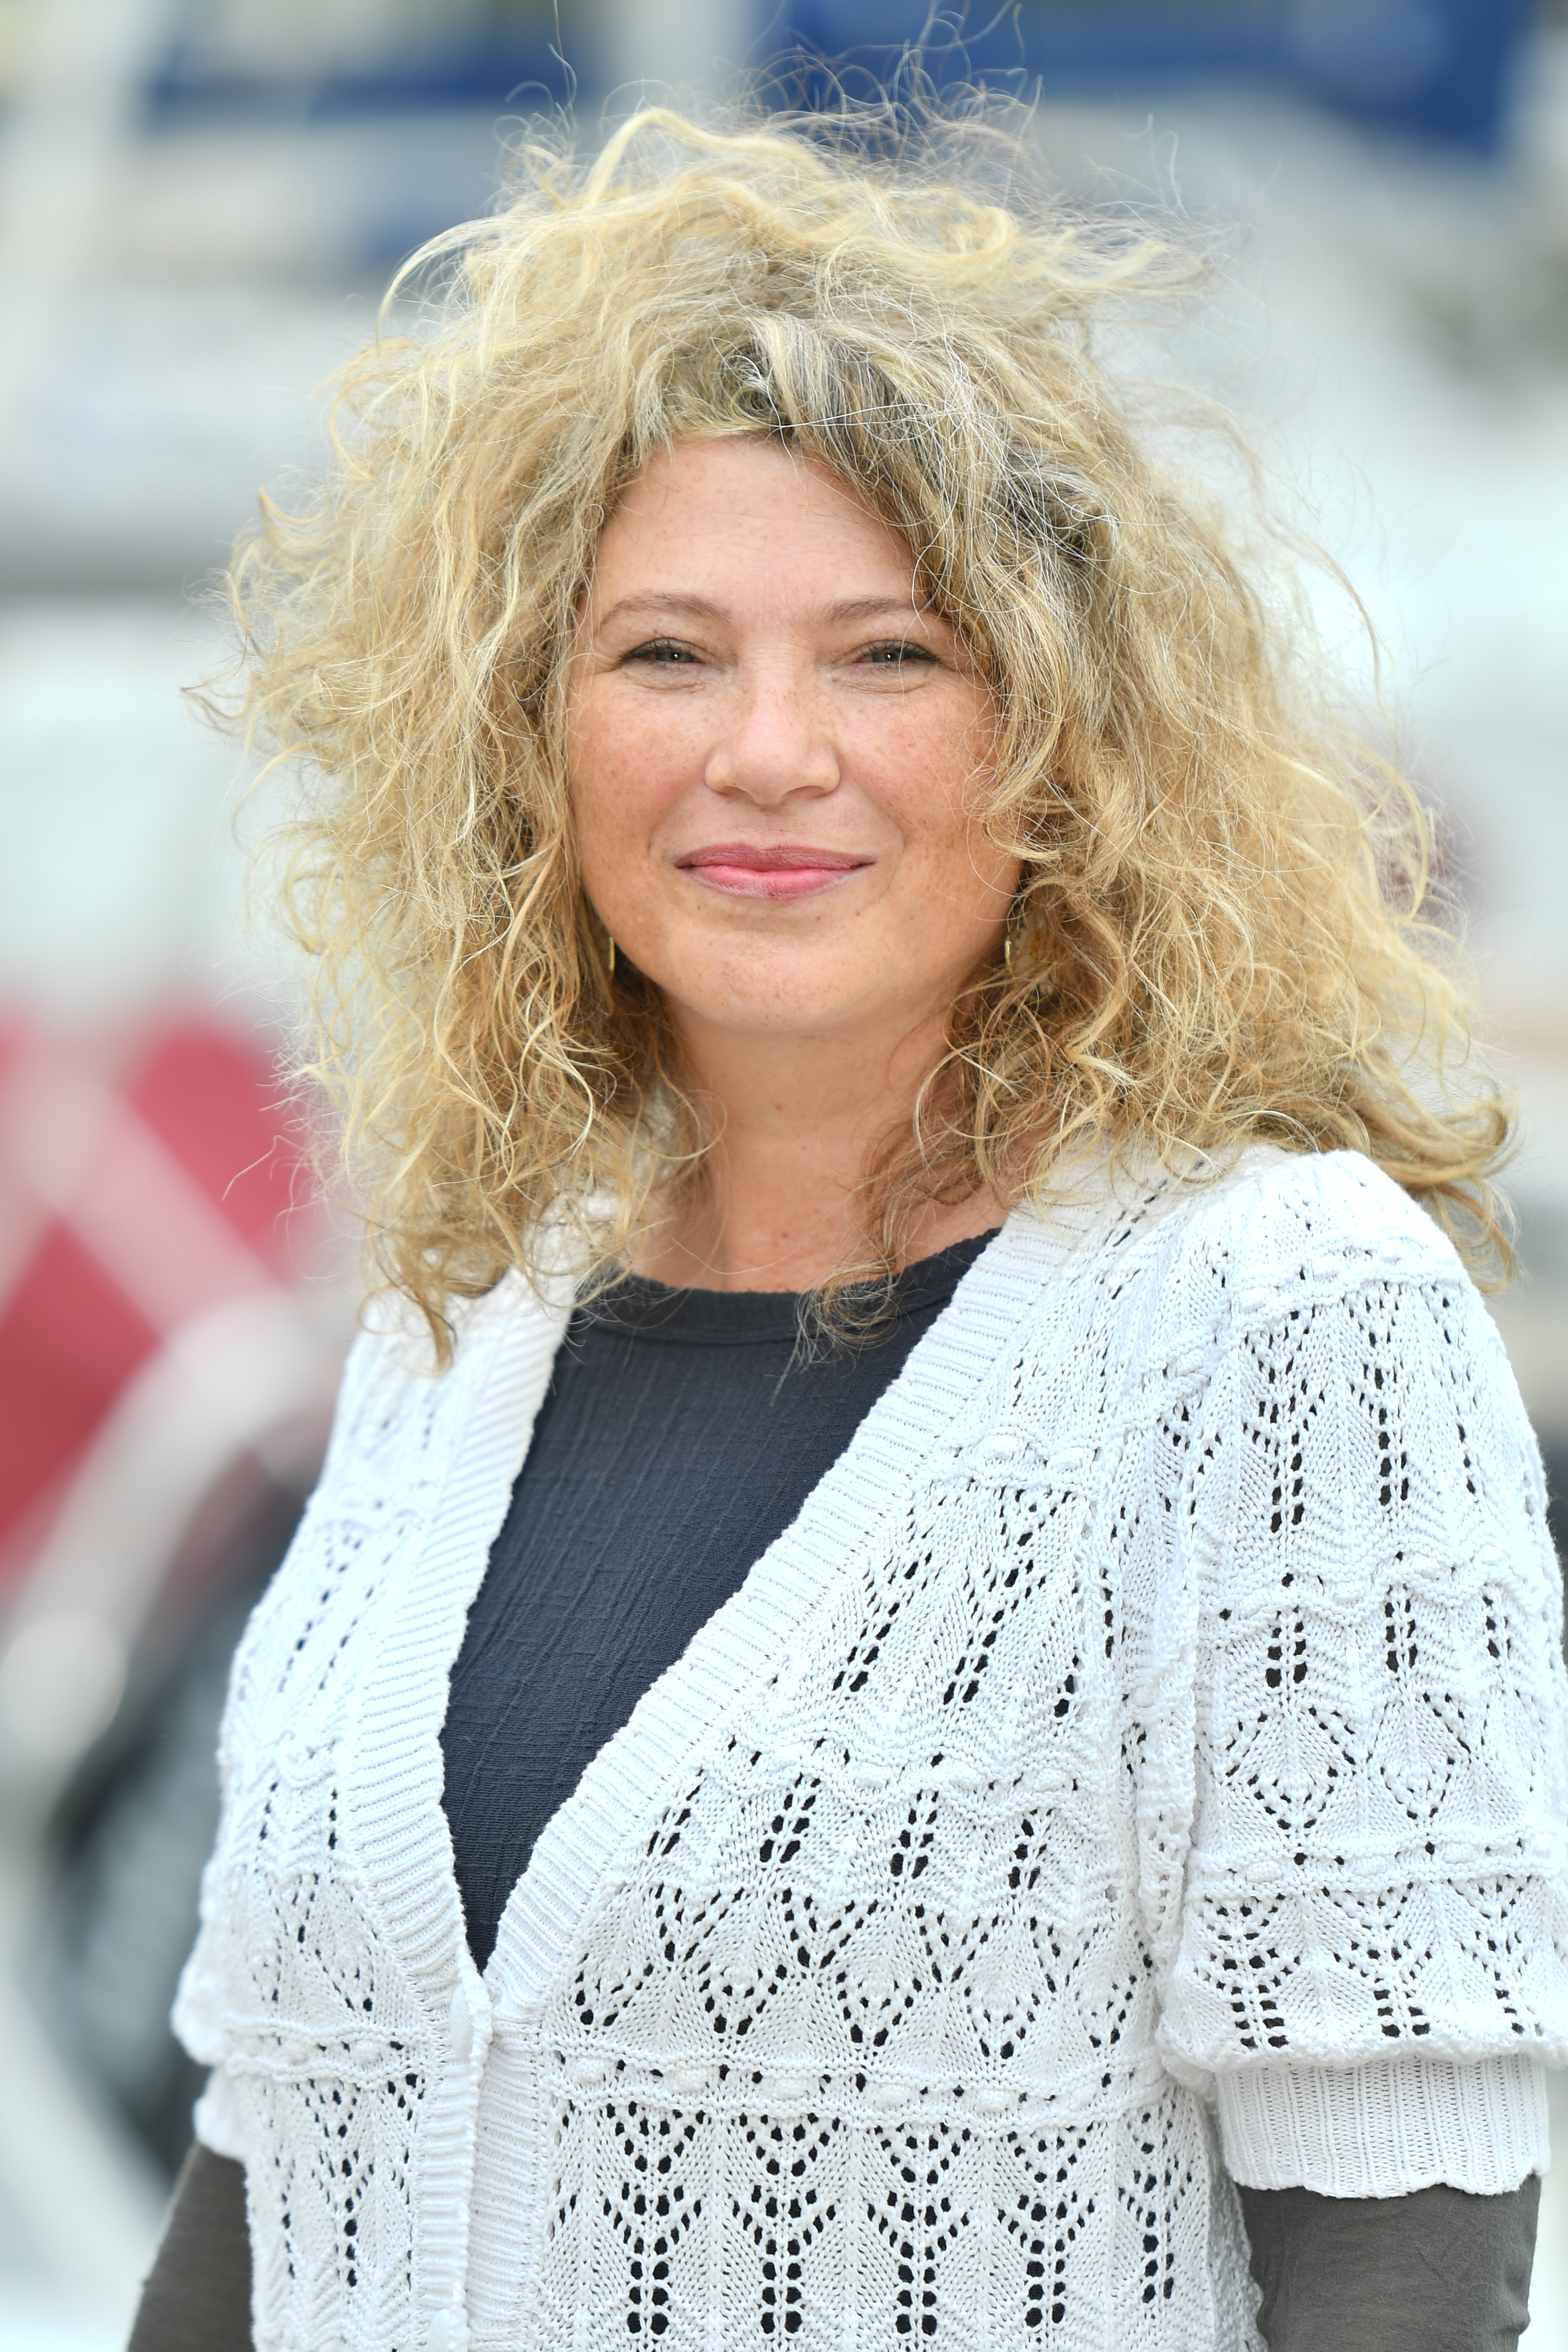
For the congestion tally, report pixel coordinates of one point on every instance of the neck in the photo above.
(799, 1121)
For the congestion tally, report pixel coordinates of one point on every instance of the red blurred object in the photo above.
(137, 1190)
(215, 1104)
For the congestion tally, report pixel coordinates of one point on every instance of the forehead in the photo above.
(741, 511)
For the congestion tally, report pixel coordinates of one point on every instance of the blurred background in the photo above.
(200, 201)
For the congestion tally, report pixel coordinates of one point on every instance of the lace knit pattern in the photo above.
(1161, 1695)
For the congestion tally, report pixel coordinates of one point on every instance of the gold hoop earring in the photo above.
(610, 957)
(1020, 949)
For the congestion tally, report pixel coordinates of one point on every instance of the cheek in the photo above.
(929, 768)
(624, 776)
(933, 771)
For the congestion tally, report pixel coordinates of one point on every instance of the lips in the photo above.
(744, 869)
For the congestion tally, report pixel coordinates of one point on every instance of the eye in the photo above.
(663, 653)
(896, 653)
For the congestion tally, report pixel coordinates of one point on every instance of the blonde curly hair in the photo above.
(1220, 917)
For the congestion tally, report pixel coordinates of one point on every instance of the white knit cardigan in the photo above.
(1142, 1766)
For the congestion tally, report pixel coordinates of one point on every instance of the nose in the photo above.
(772, 744)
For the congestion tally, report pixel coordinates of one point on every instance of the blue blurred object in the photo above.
(521, 68)
(1439, 69)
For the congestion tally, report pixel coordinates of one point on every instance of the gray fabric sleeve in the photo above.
(1437, 2271)
(197, 2296)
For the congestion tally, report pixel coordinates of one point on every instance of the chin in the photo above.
(777, 1010)
(780, 1017)
(752, 986)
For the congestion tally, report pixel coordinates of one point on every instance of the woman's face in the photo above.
(775, 751)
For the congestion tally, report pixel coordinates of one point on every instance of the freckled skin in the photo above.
(755, 672)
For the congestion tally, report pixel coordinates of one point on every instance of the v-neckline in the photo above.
(739, 1644)
(392, 1797)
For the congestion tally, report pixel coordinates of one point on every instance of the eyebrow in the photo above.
(703, 608)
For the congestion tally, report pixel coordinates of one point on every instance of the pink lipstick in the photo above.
(785, 869)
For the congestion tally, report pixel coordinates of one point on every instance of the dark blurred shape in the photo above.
(506, 65)
(130, 1836)
(1437, 69)
(1554, 1456)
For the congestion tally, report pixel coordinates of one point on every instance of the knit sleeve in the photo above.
(1370, 1961)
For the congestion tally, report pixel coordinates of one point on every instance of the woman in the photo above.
(933, 1705)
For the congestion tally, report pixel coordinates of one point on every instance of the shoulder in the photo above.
(1241, 1248)
(1282, 1220)
(1279, 1223)
(1315, 1276)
